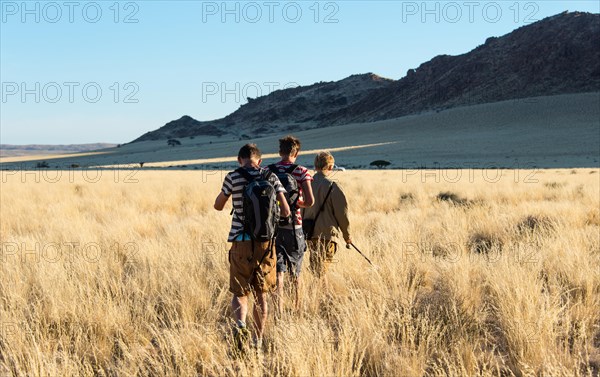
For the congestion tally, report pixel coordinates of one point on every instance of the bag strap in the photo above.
(272, 168)
(323, 204)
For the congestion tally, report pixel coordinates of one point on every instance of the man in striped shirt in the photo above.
(290, 241)
(251, 263)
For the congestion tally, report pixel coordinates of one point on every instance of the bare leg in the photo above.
(297, 293)
(279, 294)
(260, 312)
(239, 305)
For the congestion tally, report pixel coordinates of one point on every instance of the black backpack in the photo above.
(260, 208)
(291, 187)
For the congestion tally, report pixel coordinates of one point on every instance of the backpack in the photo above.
(260, 208)
(291, 187)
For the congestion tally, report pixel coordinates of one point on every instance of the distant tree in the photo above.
(74, 166)
(142, 164)
(173, 142)
(42, 164)
(380, 164)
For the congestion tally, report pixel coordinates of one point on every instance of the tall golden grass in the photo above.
(486, 275)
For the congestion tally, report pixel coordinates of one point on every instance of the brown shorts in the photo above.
(244, 274)
(322, 253)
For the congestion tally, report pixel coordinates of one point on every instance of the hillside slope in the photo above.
(556, 55)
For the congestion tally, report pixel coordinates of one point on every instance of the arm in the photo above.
(225, 193)
(283, 205)
(309, 197)
(221, 201)
(340, 206)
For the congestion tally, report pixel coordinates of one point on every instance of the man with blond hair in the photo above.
(327, 218)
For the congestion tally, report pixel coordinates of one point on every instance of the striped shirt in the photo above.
(302, 175)
(234, 183)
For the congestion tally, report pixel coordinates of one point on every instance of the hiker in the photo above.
(327, 218)
(252, 257)
(290, 242)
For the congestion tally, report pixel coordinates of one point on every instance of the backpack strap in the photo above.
(244, 173)
(263, 173)
(291, 169)
(266, 173)
(273, 168)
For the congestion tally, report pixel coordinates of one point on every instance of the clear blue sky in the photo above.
(201, 58)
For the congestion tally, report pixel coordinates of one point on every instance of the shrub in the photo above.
(42, 165)
(554, 185)
(534, 223)
(407, 198)
(482, 242)
(380, 164)
(593, 217)
(452, 198)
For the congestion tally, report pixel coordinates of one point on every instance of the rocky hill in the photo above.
(559, 54)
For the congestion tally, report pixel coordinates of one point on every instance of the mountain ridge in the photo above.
(555, 55)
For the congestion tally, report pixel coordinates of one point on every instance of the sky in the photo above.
(108, 71)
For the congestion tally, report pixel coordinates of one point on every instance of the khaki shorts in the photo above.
(244, 274)
(322, 253)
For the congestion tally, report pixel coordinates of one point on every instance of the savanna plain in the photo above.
(477, 273)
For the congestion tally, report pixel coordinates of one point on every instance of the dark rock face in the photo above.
(557, 55)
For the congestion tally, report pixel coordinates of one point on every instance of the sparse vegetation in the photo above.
(457, 292)
(173, 142)
(42, 165)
